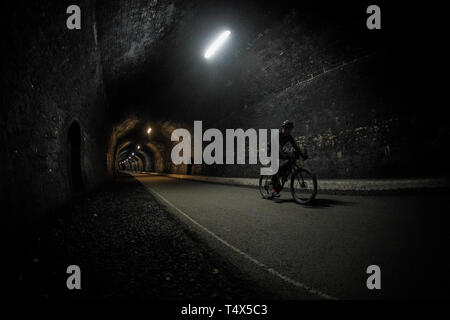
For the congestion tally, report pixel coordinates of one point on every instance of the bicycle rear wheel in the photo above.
(303, 186)
(265, 186)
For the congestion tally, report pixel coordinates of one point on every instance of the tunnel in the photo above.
(347, 90)
(84, 108)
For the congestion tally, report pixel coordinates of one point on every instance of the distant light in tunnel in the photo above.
(216, 44)
(149, 130)
(138, 147)
(132, 153)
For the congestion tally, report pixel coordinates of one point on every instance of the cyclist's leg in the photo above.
(282, 170)
(275, 181)
(276, 187)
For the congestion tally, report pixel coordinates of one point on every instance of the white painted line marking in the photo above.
(238, 251)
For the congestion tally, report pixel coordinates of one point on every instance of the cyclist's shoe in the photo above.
(275, 194)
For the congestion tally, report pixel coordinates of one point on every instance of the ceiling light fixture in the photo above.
(216, 44)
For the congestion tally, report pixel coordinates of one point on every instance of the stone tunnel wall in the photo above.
(343, 121)
(357, 106)
(352, 97)
(52, 78)
(349, 90)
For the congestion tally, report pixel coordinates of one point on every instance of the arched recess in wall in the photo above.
(74, 158)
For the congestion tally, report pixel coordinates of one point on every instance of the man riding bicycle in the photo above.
(285, 137)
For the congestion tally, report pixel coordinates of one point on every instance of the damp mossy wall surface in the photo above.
(52, 77)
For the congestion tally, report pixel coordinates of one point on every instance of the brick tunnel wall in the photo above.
(350, 91)
(343, 121)
(356, 104)
(352, 97)
(52, 78)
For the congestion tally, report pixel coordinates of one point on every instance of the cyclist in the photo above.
(284, 138)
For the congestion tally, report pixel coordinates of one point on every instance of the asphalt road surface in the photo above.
(320, 251)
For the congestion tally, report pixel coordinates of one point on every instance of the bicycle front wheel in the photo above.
(303, 186)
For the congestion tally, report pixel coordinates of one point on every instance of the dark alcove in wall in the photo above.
(74, 152)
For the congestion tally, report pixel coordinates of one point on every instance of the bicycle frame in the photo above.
(292, 167)
(294, 172)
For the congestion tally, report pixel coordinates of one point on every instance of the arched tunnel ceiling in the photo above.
(152, 53)
(155, 74)
(142, 39)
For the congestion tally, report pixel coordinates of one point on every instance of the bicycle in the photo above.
(303, 183)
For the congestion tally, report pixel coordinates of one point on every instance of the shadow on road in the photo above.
(319, 203)
(326, 203)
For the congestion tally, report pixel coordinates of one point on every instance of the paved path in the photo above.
(319, 251)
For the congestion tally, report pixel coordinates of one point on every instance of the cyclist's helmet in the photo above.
(287, 124)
